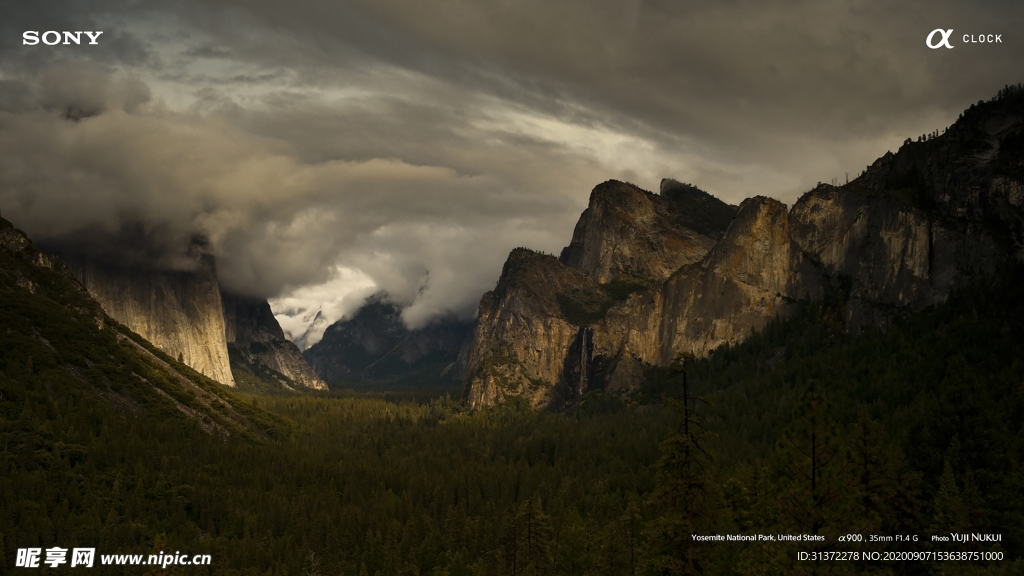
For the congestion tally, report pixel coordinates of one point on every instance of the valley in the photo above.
(849, 365)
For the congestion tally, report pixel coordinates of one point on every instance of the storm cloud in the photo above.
(326, 149)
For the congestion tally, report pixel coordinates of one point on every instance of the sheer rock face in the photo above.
(629, 232)
(252, 331)
(741, 284)
(893, 253)
(626, 339)
(530, 343)
(744, 282)
(180, 312)
(527, 344)
(185, 314)
(522, 338)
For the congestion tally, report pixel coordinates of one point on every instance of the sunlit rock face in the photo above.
(626, 231)
(552, 328)
(252, 332)
(522, 337)
(186, 315)
(649, 276)
(747, 279)
(180, 312)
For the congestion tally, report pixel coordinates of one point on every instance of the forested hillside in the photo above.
(915, 430)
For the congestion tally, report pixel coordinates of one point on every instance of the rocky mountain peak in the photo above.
(755, 248)
(536, 280)
(696, 209)
(629, 232)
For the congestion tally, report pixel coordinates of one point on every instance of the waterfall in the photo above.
(583, 361)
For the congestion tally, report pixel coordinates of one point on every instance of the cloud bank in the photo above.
(413, 144)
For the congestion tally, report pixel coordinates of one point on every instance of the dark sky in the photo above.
(329, 149)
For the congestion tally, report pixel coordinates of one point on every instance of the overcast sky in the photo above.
(330, 149)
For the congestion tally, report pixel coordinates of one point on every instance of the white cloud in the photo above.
(327, 303)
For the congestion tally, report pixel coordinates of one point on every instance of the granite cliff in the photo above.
(180, 312)
(186, 315)
(526, 328)
(256, 341)
(647, 276)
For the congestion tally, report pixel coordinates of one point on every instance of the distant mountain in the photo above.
(647, 276)
(375, 346)
(314, 331)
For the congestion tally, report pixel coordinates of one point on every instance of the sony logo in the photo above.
(52, 37)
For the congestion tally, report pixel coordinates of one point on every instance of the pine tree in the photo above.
(817, 491)
(685, 497)
(758, 558)
(814, 485)
(948, 512)
(868, 468)
(538, 536)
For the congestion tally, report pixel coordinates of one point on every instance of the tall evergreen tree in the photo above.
(817, 492)
(685, 498)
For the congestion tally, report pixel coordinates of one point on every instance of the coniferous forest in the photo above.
(802, 429)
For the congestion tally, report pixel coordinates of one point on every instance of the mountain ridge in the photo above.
(940, 213)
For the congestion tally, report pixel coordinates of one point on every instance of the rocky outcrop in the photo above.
(524, 333)
(753, 274)
(375, 345)
(16, 241)
(746, 280)
(629, 232)
(893, 254)
(178, 311)
(252, 332)
(551, 329)
(938, 214)
(11, 238)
